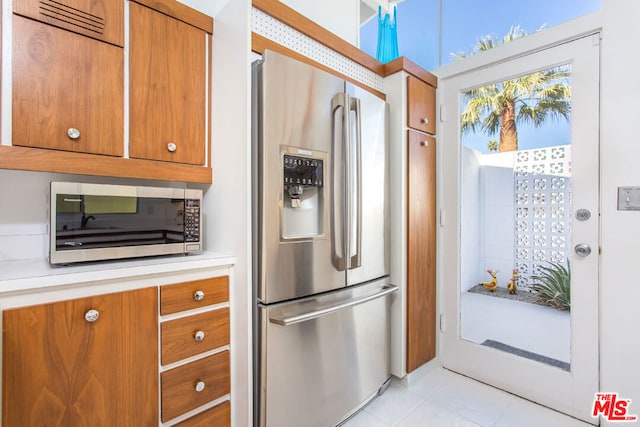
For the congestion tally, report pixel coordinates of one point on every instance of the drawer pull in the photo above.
(172, 147)
(73, 133)
(425, 121)
(198, 296)
(199, 386)
(91, 316)
(424, 143)
(198, 336)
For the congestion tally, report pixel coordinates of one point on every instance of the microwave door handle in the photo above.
(338, 232)
(355, 212)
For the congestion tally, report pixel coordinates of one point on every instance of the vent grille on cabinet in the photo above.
(71, 16)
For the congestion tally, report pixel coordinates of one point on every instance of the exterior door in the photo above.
(529, 216)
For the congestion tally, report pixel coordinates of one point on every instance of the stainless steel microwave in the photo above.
(91, 222)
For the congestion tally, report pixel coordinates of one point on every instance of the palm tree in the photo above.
(533, 98)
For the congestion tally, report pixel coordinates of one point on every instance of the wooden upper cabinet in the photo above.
(422, 105)
(67, 90)
(61, 369)
(98, 19)
(168, 88)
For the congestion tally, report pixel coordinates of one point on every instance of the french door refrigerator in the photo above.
(320, 239)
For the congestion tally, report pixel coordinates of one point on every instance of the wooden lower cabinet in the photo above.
(218, 416)
(61, 368)
(192, 385)
(421, 250)
(194, 345)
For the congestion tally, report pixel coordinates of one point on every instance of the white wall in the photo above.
(472, 217)
(620, 155)
(341, 17)
(228, 200)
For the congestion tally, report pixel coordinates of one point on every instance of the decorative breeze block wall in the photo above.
(542, 189)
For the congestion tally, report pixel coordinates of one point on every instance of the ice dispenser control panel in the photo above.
(302, 171)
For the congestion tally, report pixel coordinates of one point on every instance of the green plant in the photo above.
(553, 285)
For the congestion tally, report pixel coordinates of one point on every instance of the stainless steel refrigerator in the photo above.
(320, 240)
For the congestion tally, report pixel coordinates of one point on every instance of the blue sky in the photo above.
(463, 23)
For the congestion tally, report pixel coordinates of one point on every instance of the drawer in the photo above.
(219, 416)
(179, 336)
(179, 392)
(421, 106)
(194, 294)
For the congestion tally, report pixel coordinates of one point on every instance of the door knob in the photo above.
(582, 250)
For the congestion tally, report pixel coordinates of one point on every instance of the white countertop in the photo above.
(38, 273)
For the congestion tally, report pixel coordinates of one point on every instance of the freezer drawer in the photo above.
(323, 357)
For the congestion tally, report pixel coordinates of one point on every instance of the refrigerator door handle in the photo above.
(355, 174)
(303, 317)
(338, 199)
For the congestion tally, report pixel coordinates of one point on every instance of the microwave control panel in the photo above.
(192, 220)
(303, 171)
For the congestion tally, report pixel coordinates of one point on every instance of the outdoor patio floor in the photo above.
(534, 328)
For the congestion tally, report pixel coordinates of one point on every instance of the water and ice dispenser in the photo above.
(303, 195)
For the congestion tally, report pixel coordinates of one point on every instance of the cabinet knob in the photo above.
(424, 143)
(73, 133)
(91, 316)
(198, 336)
(199, 386)
(425, 121)
(172, 147)
(198, 296)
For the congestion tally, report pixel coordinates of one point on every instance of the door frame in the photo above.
(570, 392)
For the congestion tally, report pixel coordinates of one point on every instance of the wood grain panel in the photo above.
(179, 297)
(60, 370)
(421, 250)
(178, 340)
(168, 98)
(259, 44)
(293, 19)
(218, 416)
(405, 64)
(47, 101)
(98, 19)
(421, 100)
(178, 385)
(181, 12)
(35, 159)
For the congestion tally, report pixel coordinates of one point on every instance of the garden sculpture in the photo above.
(493, 284)
(511, 284)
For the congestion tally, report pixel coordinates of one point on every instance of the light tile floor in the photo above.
(436, 397)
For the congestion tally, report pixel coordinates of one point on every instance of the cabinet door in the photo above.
(188, 336)
(219, 416)
(61, 370)
(421, 250)
(168, 80)
(99, 19)
(63, 81)
(192, 385)
(422, 105)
